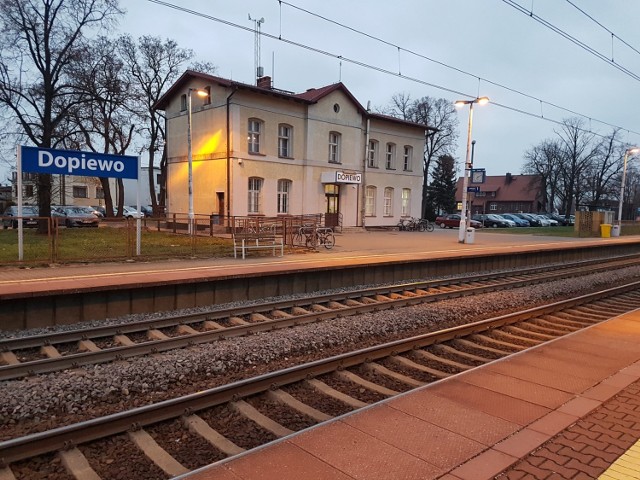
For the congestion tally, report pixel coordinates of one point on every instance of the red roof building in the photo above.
(504, 194)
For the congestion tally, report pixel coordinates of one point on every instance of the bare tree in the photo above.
(40, 40)
(438, 113)
(154, 64)
(545, 160)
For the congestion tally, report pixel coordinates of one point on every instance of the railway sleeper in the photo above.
(448, 349)
(156, 453)
(258, 418)
(325, 389)
(521, 329)
(480, 343)
(8, 358)
(582, 319)
(444, 361)
(156, 335)
(406, 362)
(384, 371)
(77, 464)
(197, 425)
(7, 474)
(211, 325)
(544, 327)
(510, 339)
(186, 330)
(358, 380)
(292, 402)
(50, 351)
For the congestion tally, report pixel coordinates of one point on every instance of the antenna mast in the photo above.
(256, 49)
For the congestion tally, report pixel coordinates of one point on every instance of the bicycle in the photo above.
(425, 224)
(312, 236)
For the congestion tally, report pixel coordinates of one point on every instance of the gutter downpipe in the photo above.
(228, 194)
(364, 168)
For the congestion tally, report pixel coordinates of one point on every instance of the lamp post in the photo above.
(632, 150)
(468, 163)
(191, 215)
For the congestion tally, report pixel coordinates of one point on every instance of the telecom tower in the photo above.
(259, 69)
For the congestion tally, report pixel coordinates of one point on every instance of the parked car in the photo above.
(552, 221)
(131, 212)
(491, 220)
(453, 221)
(520, 222)
(562, 220)
(544, 221)
(532, 219)
(72, 216)
(29, 217)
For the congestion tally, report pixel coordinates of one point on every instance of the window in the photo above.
(99, 192)
(253, 137)
(372, 154)
(255, 192)
(183, 102)
(28, 190)
(391, 156)
(80, 192)
(334, 147)
(407, 159)
(406, 202)
(284, 140)
(493, 207)
(207, 98)
(388, 202)
(370, 201)
(284, 188)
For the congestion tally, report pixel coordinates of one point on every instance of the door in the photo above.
(332, 201)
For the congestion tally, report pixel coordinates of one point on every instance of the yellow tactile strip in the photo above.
(626, 467)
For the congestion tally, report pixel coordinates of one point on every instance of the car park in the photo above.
(520, 222)
(493, 221)
(544, 221)
(552, 221)
(563, 220)
(72, 216)
(29, 217)
(532, 219)
(453, 221)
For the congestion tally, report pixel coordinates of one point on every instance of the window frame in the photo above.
(255, 186)
(406, 202)
(183, 102)
(285, 139)
(387, 204)
(284, 196)
(335, 147)
(407, 158)
(372, 154)
(371, 191)
(78, 190)
(390, 156)
(254, 137)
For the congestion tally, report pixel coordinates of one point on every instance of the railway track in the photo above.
(175, 436)
(21, 357)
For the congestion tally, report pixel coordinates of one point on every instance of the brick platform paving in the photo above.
(587, 449)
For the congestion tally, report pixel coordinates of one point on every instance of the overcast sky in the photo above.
(490, 40)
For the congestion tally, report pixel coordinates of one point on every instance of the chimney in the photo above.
(508, 178)
(264, 82)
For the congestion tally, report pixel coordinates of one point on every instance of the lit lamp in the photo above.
(467, 164)
(632, 151)
(200, 93)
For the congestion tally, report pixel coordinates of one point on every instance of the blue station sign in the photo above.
(73, 162)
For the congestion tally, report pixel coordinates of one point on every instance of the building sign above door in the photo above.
(341, 177)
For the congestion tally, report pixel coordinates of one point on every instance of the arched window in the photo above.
(388, 202)
(285, 140)
(390, 157)
(254, 204)
(372, 154)
(407, 159)
(334, 147)
(254, 135)
(370, 201)
(284, 189)
(406, 202)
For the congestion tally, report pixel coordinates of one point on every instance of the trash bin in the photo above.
(470, 235)
(605, 230)
(615, 231)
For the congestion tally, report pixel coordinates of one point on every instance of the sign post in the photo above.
(73, 162)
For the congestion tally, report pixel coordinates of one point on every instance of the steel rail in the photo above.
(62, 437)
(76, 360)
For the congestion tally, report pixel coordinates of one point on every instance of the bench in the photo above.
(244, 241)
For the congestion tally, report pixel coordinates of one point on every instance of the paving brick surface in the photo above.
(587, 448)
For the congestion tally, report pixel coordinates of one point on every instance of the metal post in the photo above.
(624, 179)
(190, 162)
(465, 182)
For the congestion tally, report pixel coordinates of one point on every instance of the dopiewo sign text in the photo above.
(72, 162)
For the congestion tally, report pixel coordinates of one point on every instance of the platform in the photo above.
(566, 409)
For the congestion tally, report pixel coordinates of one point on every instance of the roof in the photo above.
(509, 188)
(309, 97)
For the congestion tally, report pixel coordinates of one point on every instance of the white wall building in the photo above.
(257, 150)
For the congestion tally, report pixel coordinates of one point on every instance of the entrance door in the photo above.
(332, 200)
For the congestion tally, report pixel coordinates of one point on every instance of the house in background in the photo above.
(505, 194)
(258, 150)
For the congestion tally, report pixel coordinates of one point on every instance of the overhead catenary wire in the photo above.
(382, 70)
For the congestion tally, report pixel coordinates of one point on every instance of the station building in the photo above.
(258, 150)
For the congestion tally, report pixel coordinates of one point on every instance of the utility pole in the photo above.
(256, 49)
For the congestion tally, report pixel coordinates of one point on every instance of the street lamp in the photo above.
(468, 163)
(632, 150)
(191, 215)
